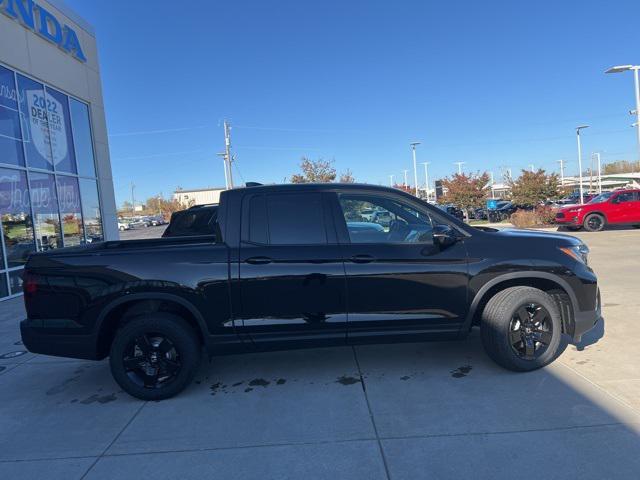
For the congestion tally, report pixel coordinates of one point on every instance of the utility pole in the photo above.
(459, 166)
(415, 167)
(426, 178)
(227, 155)
(133, 199)
(405, 177)
(391, 180)
(561, 162)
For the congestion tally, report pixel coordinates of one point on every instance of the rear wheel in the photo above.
(521, 329)
(155, 357)
(594, 222)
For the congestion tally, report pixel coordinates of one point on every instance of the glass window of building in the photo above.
(91, 210)
(15, 281)
(42, 128)
(81, 128)
(10, 134)
(70, 212)
(45, 211)
(60, 137)
(17, 226)
(35, 126)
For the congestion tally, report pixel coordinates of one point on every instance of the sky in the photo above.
(494, 84)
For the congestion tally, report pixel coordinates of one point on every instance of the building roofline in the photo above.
(195, 190)
(77, 19)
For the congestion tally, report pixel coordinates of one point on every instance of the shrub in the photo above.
(539, 217)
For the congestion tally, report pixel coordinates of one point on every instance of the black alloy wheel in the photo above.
(151, 360)
(155, 356)
(530, 331)
(594, 223)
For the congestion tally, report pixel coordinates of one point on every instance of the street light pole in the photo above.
(426, 178)
(581, 127)
(634, 68)
(459, 166)
(599, 174)
(405, 177)
(415, 166)
(391, 180)
(561, 162)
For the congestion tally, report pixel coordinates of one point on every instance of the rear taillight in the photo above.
(29, 283)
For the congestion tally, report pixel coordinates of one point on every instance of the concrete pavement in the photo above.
(433, 410)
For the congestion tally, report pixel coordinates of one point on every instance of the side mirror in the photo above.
(444, 236)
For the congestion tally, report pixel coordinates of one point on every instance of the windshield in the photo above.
(603, 197)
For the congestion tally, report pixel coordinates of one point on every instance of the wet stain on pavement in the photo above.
(461, 371)
(249, 389)
(18, 343)
(2, 368)
(281, 381)
(237, 384)
(62, 386)
(99, 398)
(406, 377)
(259, 382)
(17, 353)
(346, 380)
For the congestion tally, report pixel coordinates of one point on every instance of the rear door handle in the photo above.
(258, 260)
(362, 259)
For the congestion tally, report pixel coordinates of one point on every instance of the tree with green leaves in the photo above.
(533, 188)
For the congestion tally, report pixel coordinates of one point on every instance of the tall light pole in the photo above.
(634, 68)
(415, 166)
(405, 177)
(581, 127)
(561, 162)
(426, 178)
(391, 180)
(597, 154)
(459, 166)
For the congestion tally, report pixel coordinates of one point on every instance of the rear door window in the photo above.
(296, 219)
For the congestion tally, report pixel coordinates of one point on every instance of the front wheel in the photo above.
(521, 329)
(155, 357)
(594, 223)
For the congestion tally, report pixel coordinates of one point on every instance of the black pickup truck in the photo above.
(295, 266)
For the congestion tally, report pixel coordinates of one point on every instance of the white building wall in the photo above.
(198, 197)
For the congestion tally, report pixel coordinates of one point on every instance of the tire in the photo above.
(172, 358)
(594, 222)
(505, 343)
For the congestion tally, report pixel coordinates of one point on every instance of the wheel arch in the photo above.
(129, 306)
(560, 290)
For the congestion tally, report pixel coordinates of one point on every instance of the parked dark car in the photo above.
(284, 269)
(452, 210)
(197, 220)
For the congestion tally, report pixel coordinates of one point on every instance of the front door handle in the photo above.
(258, 260)
(362, 259)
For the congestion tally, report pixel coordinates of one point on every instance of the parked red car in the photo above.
(616, 208)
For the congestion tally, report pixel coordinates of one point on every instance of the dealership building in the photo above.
(56, 188)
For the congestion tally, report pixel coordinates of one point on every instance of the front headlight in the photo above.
(577, 252)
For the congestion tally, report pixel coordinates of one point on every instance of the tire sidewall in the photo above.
(181, 335)
(586, 223)
(507, 357)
